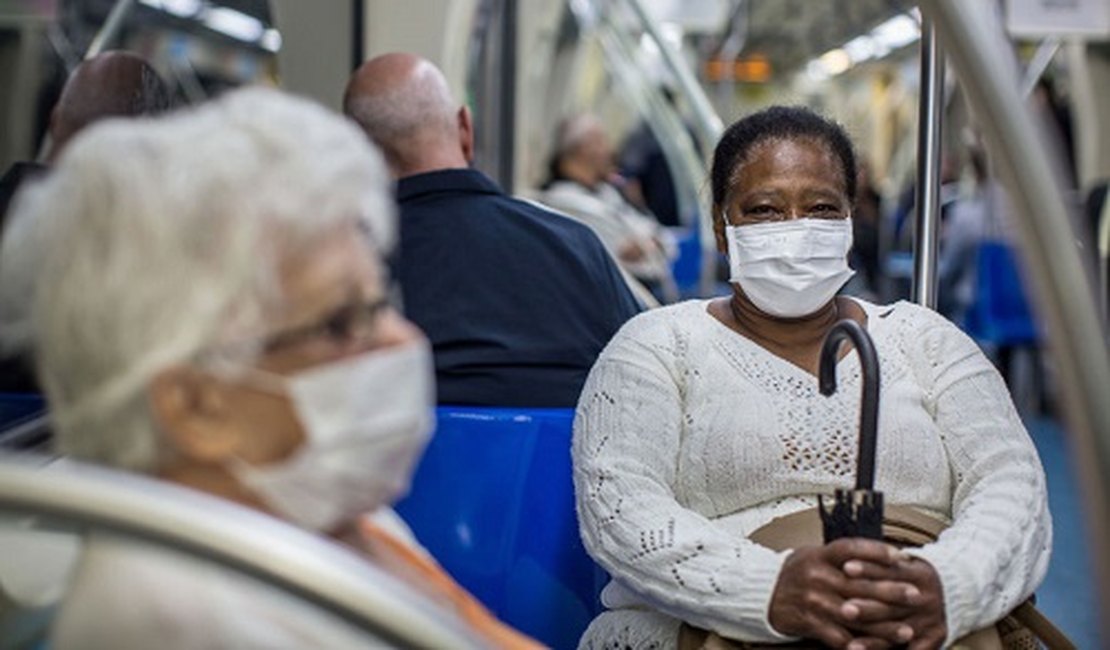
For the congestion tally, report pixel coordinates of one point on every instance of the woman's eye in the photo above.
(339, 327)
(761, 209)
(825, 209)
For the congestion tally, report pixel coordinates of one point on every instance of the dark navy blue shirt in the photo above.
(516, 300)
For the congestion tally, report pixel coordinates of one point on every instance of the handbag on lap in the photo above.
(1025, 628)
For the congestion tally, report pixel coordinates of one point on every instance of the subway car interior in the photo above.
(983, 112)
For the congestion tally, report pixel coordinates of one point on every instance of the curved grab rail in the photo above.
(322, 573)
(973, 38)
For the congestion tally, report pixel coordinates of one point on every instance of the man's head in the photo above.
(112, 84)
(186, 282)
(404, 105)
(583, 151)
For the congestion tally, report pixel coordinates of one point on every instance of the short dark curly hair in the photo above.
(779, 123)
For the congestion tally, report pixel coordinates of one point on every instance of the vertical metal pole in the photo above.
(506, 145)
(983, 58)
(358, 33)
(930, 108)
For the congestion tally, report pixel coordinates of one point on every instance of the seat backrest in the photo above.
(686, 268)
(1000, 312)
(493, 501)
(24, 424)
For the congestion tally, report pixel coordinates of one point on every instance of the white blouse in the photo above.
(689, 436)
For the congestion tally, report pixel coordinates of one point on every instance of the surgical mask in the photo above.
(367, 420)
(790, 268)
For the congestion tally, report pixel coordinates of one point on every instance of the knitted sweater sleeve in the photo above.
(626, 451)
(997, 549)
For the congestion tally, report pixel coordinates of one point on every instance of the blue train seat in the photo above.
(493, 501)
(686, 268)
(1000, 312)
(24, 424)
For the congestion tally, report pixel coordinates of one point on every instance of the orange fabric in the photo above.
(426, 573)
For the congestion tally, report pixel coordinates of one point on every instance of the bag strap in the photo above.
(1053, 638)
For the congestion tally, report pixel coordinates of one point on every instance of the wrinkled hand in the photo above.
(814, 597)
(924, 612)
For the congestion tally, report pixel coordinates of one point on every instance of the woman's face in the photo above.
(784, 179)
(333, 308)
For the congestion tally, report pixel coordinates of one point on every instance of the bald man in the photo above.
(517, 300)
(112, 84)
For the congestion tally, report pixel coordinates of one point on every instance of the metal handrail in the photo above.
(706, 120)
(707, 124)
(973, 38)
(927, 216)
(322, 573)
(678, 147)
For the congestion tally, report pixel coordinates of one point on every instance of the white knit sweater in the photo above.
(689, 436)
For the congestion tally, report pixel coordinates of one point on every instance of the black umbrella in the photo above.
(858, 512)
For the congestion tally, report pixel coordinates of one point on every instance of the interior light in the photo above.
(235, 24)
(816, 72)
(271, 40)
(861, 48)
(836, 61)
(896, 32)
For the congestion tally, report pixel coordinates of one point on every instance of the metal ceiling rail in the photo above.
(974, 40)
(707, 124)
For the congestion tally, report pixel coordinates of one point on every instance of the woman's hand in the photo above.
(925, 610)
(816, 599)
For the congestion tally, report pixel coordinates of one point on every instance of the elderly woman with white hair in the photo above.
(206, 303)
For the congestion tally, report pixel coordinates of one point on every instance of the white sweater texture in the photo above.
(689, 436)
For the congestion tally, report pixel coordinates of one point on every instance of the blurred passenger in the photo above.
(112, 84)
(865, 235)
(582, 168)
(207, 304)
(516, 300)
(972, 218)
(648, 182)
(701, 429)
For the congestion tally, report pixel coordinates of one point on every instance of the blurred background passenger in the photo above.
(973, 217)
(112, 84)
(207, 304)
(581, 173)
(866, 218)
(648, 182)
(702, 423)
(516, 300)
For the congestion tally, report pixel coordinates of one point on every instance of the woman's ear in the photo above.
(191, 409)
(719, 231)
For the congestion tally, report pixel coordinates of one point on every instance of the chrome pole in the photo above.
(1063, 286)
(927, 218)
(110, 29)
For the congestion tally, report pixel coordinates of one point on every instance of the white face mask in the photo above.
(367, 420)
(790, 268)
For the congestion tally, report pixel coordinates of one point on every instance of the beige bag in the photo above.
(1025, 628)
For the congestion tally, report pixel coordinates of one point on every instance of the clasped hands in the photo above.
(859, 594)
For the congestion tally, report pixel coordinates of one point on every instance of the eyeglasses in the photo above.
(351, 322)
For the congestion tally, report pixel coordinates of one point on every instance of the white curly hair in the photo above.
(156, 239)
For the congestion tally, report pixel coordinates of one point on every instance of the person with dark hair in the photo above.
(517, 300)
(701, 430)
